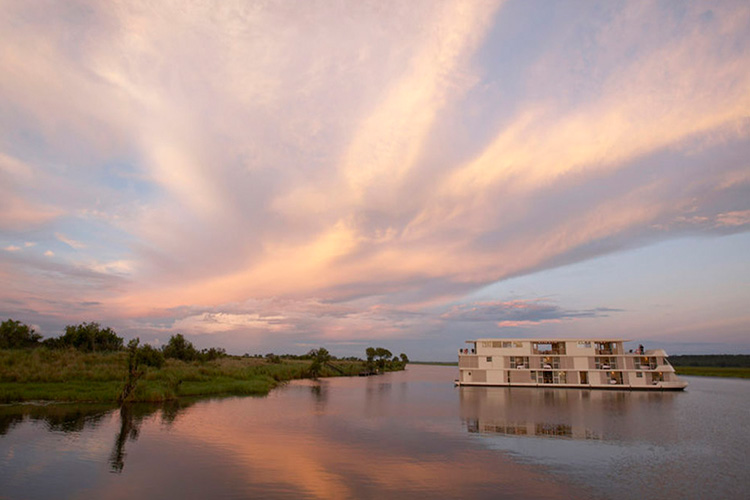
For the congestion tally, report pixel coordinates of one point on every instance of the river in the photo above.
(408, 434)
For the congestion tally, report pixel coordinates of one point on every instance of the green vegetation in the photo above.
(713, 371)
(712, 365)
(87, 337)
(379, 360)
(179, 348)
(712, 360)
(88, 363)
(16, 335)
(320, 358)
(91, 337)
(70, 375)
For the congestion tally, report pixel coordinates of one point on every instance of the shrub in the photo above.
(14, 335)
(87, 337)
(149, 356)
(212, 354)
(179, 348)
(273, 358)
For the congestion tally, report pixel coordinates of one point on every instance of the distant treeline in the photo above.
(712, 360)
(92, 337)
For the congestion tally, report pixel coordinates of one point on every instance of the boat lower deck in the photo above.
(612, 387)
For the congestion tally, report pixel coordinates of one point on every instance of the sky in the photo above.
(279, 176)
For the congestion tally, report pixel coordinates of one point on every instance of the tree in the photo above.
(379, 357)
(134, 373)
(382, 352)
(320, 357)
(138, 358)
(404, 358)
(89, 337)
(371, 352)
(15, 335)
(370, 364)
(211, 353)
(383, 356)
(273, 358)
(179, 348)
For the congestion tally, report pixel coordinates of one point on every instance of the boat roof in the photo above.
(548, 340)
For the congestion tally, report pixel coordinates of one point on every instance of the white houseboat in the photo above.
(574, 363)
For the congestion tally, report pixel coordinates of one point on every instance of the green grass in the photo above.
(69, 375)
(710, 371)
(74, 390)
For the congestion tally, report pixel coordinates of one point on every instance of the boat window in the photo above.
(519, 361)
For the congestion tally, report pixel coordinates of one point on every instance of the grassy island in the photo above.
(70, 375)
(90, 363)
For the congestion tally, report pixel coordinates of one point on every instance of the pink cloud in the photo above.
(356, 173)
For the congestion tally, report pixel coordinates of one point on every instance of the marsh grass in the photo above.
(70, 375)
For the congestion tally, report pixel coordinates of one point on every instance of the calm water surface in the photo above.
(400, 435)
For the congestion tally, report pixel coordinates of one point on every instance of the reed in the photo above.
(70, 375)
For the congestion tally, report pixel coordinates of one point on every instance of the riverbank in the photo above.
(713, 371)
(70, 375)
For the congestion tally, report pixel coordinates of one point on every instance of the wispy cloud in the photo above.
(70, 242)
(519, 312)
(735, 218)
(355, 178)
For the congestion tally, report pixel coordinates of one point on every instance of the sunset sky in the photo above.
(278, 176)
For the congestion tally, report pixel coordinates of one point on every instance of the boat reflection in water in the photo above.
(530, 429)
(566, 413)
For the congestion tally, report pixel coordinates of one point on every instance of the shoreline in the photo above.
(69, 376)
